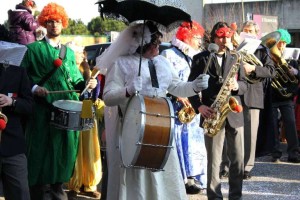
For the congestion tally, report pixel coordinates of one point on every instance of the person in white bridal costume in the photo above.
(120, 63)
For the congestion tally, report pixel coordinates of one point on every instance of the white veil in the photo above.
(127, 43)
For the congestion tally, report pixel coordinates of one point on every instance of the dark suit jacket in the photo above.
(209, 94)
(14, 81)
(254, 96)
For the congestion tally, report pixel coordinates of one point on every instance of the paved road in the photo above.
(270, 181)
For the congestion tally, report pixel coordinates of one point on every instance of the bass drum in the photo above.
(147, 133)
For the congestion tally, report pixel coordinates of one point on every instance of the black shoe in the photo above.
(246, 175)
(293, 159)
(224, 174)
(192, 189)
(72, 194)
(275, 160)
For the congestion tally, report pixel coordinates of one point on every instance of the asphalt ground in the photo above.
(270, 181)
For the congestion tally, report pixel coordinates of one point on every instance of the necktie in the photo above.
(153, 74)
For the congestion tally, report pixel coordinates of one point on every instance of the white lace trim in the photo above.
(185, 48)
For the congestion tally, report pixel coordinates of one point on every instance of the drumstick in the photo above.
(62, 91)
(95, 73)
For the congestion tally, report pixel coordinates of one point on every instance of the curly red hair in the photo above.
(186, 31)
(53, 11)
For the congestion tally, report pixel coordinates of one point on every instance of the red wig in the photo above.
(186, 31)
(53, 11)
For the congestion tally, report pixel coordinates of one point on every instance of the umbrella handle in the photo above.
(141, 49)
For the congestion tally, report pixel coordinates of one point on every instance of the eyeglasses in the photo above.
(53, 22)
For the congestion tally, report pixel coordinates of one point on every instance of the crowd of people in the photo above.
(226, 92)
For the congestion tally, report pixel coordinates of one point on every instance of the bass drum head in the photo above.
(132, 130)
(70, 105)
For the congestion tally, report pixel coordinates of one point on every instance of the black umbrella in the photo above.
(162, 12)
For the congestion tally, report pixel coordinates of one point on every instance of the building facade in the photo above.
(208, 12)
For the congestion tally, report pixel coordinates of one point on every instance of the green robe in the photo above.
(51, 152)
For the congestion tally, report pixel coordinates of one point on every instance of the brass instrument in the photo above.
(186, 114)
(284, 82)
(224, 103)
(253, 60)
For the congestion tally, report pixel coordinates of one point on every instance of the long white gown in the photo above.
(189, 137)
(136, 184)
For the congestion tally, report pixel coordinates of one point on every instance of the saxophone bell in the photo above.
(232, 105)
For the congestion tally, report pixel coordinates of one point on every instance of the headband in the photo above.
(224, 32)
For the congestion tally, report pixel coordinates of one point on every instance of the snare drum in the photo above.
(147, 133)
(66, 115)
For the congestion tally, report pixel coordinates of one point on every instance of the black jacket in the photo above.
(254, 96)
(290, 87)
(209, 94)
(14, 81)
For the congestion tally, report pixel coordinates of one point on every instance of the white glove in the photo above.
(200, 83)
(135, 85)
(293, 71)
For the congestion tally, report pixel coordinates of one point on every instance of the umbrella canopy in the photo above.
(162, 12)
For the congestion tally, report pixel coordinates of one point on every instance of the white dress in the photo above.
(189, 137)
(137, 184)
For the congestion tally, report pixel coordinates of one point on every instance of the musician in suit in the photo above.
(15, 102)
(285, 105)
(233, 128)
(253, 99)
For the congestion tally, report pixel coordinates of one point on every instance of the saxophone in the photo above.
(224, 103)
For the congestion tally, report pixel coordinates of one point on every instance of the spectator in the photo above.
(22, 24)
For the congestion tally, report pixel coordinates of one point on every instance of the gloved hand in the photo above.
(201, 82)
(135, 85)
